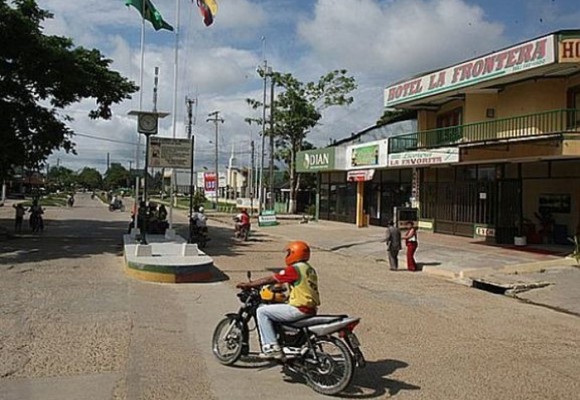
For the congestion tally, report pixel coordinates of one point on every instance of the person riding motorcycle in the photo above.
(199, 220)
(303, 302)
(242, 220)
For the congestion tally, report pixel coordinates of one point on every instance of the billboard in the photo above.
(209, 184)
(315, 160)
(169, 153)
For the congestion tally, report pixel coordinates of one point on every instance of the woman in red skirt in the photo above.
(411, 242)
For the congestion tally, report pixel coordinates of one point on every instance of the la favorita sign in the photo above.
(522, 57)
(421, 158)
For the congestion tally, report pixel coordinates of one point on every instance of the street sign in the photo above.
(267, 218)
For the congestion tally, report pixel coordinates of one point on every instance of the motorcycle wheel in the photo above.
(228, 341)
(201, 242)
(333, 371)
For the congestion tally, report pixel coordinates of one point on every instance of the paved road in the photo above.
(72, 326)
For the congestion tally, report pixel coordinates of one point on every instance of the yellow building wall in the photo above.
(426, 120)
(476, 106)
(532, 97)
(533, 188)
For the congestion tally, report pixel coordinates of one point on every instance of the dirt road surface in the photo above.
(73, 326)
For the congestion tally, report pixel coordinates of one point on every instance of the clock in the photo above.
(147, 124)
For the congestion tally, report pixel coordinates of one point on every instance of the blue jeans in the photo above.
(267, 314)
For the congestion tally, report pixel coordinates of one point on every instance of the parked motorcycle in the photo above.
(323, 349)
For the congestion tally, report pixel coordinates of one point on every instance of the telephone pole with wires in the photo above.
(215, 118)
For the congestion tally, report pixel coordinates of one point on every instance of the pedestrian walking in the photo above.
(412, 243)
(20, 211)
(393, 241)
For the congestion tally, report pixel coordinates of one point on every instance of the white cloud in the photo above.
(399, 37)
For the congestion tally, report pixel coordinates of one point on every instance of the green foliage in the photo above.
(60, 178)
(298, 108)
(40, 76)
(117, 176)
(90, 178)
(391, 116)
(198, 198)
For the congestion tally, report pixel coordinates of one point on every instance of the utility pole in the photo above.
(215, 120)
(108, 161)
(271, 180)
(261, 184)
(189, 103)
(251, 180)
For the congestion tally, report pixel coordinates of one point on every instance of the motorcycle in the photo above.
(198, 235)
(323, 349)
(241, 232)
(118, 205)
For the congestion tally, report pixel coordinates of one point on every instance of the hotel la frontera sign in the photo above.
(315, 160)
(443, 155)
(522, 57)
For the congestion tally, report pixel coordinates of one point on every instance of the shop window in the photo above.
(468, 173)
(390, 175)
(566, 169)
(486, 173)
(535, 170)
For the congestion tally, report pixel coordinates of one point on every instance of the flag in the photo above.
(150, 13)
(208, 9)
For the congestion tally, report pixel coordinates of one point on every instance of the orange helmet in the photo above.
(297, 251)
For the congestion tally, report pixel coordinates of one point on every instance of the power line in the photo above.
(104, 139)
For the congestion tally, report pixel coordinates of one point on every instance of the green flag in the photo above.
(150, 13)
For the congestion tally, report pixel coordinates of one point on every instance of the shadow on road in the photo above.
(373, 381)
(368, 383)
(80, 238)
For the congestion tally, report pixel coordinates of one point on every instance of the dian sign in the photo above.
(522, 57)
(315, 160)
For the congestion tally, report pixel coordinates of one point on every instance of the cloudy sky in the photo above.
(378, 41)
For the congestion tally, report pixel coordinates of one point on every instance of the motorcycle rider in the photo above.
(303, 302)
(197, 223)
(242, 220)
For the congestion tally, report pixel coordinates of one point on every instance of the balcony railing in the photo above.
(545, 123)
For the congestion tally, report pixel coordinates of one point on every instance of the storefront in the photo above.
(509, 124)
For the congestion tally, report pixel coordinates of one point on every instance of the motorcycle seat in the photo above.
(315, 320)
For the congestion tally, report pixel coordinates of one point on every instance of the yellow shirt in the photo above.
(304, 294)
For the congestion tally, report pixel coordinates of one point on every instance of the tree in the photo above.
(116, 176)
(391, 116)
(297, 110)
(90, 178)
(61, 177)
(40, 76)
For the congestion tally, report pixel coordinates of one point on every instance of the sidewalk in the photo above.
(452, 257)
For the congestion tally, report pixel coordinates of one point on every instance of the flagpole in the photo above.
(137, 155)
(174, 113)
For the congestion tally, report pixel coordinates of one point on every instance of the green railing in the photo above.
(548, 122)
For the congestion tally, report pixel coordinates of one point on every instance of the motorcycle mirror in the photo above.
(249, 275)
